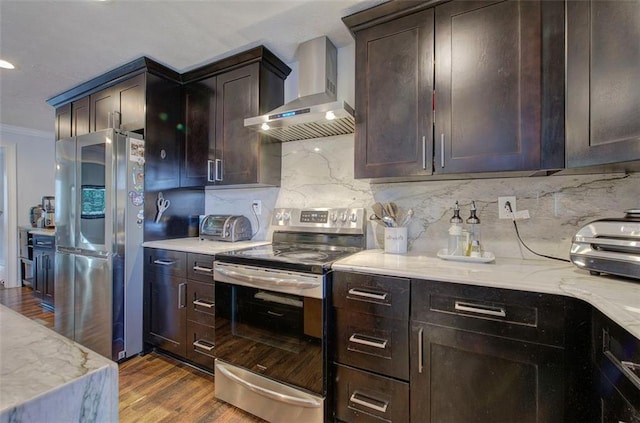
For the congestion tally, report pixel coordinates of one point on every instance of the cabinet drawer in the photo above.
(365, 397)
(168, 262)
(200, 344)
(513, 314)
(380, 295)
(200, 267)
(374, 343)
(201, 302)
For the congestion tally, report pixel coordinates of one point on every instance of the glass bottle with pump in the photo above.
(456, 246)
(473, 224)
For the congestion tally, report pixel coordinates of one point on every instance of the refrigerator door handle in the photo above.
(67, 250)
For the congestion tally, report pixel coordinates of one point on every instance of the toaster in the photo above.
(609, 246)
(225, 228)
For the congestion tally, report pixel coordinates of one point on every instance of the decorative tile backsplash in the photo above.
(319, 172)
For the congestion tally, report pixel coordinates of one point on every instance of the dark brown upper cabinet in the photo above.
(141, 96)
(218, 149)
(488, 86)
(394, 85)
(603, 98)
(492, 102)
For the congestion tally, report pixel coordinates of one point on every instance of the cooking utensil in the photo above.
(389, 221)
(393, 209)
(162, 206)
(379, 211)
(405, 219)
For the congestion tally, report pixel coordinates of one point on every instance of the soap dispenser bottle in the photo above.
(473, 225)
(455, 246)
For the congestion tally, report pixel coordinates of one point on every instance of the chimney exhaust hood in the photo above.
(316, 112)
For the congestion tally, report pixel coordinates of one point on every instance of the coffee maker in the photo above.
(49, 208)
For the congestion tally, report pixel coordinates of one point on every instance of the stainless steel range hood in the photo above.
(316, 112)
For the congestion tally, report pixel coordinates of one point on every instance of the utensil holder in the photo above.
(395, 240)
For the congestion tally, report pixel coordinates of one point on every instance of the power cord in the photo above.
(515, 225)
(253, 209)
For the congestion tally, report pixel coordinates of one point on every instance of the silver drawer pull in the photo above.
(203, 344)
(206, 304)
(202, 269)
(371, 403)
(480, 309)
(273, 313)
(369, 341)
(164, 262)
(358, 293)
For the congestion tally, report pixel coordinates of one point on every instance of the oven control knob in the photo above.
(278, 216)
(343, 217)
(353, 218)
(334, 217)
(286, 216)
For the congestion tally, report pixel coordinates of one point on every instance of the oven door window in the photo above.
(277, 335)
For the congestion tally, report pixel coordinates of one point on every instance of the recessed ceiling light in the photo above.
(6, 65)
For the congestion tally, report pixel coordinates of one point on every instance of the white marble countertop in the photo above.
(200, 246)
(45, 376)
(617, 298)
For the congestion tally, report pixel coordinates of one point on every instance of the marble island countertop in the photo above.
(617, 298)
(200, 246)
(45, 376)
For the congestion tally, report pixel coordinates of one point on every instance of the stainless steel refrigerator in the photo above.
(99, 231)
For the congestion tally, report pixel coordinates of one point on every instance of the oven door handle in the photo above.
(287, 399)
(258, 280)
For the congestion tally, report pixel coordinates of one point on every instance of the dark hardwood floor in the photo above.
(153, 388)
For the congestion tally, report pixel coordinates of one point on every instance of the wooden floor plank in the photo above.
(153, 388)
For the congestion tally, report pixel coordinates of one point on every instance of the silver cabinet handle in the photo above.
(480, 309)
(369, 341)
(365, 401)
(420, 341)
(182, 294)
(202, 269)
(211, 171)
(442, 150)
(356, 292)
(287, 399)
(164, 262)
(424, 152)
(219, 170)
(273, 313)
(630, 369)
(201, 344)
(206, 304)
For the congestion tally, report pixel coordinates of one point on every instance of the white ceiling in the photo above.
(56, 45)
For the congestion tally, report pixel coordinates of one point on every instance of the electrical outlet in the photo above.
(257, 207)
(503, 210)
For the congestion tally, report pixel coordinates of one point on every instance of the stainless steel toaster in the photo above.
(609, 246)
(225, 228)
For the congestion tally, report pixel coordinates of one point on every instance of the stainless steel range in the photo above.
(271, 313)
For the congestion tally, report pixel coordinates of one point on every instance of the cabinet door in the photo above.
(129, 103)
(80, 116)
(394, 90)
(603, 99)
(200, 133)
(48, 289)
(237, 147)
(63, 122)
(488, 86)
(165, 312)
(101, 107)
(460, 376)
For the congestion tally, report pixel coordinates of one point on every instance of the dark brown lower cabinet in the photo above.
(200, 322)
(367, 397)
(165, 312)
(461, 376)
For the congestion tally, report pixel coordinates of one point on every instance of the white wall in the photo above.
(35, 164)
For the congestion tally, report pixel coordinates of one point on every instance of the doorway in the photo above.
(8, 218)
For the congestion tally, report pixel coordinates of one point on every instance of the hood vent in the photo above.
(316, 112)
